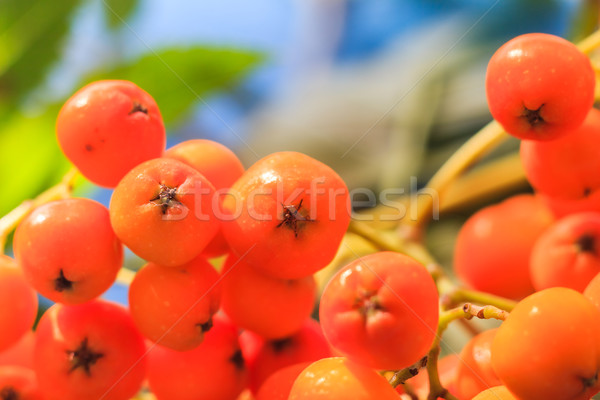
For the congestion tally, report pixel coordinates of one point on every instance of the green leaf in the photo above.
(118, 11)
(31, 33)
(178, 78)
(30, 159)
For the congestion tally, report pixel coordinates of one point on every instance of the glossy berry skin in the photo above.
(381, 311)
(549, 347)
(539, 86)
(18, 383)
(162, 210)
(18, 303)
(495, 393)
(68, 250)
(279, 384)
(174, 306)
(565, 168)
(474, 372)
(287, 215)
(338, 378)
(491, 255)
(215, 370)
(265, 357)
(89, 351)
(568, 253)
(109, 127)
(219, 165)
(270, 307)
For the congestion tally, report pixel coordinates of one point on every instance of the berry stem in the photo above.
(375, 236)
(436, 389)
(405, 374)
(61, 190)
(590, 43)
(462, 295)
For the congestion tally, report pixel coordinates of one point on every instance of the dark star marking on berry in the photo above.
(89, 147)
(292, 218)
(166, 197)
(9, 393)
(280, 345)
(587, 191)
(238, 359)
(586, 243)
(533, 117)
(83, 357)
(368, 304)
(138, 107)
(205, 327)
(590, 382)
(61, 283)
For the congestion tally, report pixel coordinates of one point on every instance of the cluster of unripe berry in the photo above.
(222, 309)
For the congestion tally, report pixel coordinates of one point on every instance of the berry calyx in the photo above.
(83, 357)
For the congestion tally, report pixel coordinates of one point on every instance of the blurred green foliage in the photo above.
(32, 36)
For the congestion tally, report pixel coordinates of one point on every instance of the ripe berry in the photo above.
(491, 255)
(18, 303)
(287, 215)
(174, 306)
(381, 311)
(565, 168)
(568, 253)
(109, 127)
(338, 378)
(68, 250)
(270, 307)
(215, 370)
(539, 86)
(162, 210)
(549, 347)
(89, 351)
(475, 373)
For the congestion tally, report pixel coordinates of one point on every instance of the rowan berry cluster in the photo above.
(222, 308)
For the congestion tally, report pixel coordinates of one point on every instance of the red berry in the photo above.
(109, 127)
(89, 351)
(270, 307)
(174, 306)
(491, 255)
(381, 311)
(475, 373)
(568, 253)
(215, 370)
(18, 303)
(539, 86)
(68, 250)
(163, 211)
(287, 215)
(549, 347)
(338, 378)
(565, 168)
